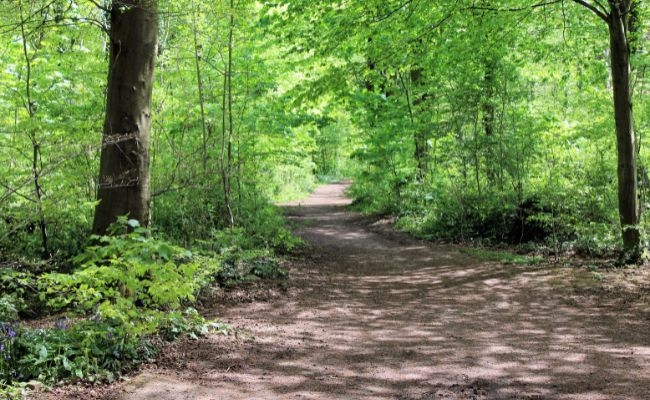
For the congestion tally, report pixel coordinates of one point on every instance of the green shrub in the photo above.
(11, 391)
(20, 293)
(92, 350)
(97, 349)
(124, 293)
(265, 227)
(243, 266)
(191, 324)
(125, 290)
(125, 270)
(258, 222)
(9, 308)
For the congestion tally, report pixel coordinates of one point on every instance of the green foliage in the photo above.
(9, 308)
(190, 324)
(241, 260)
(93, 350)
(265, 227)
(262, 225)
(125, 290)
(596, 239)
(19, 294)
(246, 266)
(65, 91)
(131, 286)
(11, 392)
(126, 269)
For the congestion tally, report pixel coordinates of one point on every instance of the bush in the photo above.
(124, 291)
(20, 294)
(265, 227)
(245, 266)
(123, 295)
(92, 350)
(8, 308)
(192, 220)
(125, 270)
(98, 349)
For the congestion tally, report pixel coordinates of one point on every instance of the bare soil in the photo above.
(370, 313)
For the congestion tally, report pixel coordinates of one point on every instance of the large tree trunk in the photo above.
(124, 184)
(627, 178)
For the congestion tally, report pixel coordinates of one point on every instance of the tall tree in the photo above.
(617, 17)
(124, 181)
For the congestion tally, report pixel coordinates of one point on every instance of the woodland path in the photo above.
(373, 314)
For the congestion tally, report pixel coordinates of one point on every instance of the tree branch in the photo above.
(515, 9)
(601, 14)
(99, 6)
(601, 5)
(392, 12)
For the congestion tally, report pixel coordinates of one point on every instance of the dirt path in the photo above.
(372, 314)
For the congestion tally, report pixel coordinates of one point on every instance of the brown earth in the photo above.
(369, 313)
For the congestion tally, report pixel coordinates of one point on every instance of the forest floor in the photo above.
(370, 313)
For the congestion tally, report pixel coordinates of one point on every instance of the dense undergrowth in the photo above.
(119, 299)
(556, 222)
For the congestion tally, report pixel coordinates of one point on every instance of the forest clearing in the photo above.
(391, 199)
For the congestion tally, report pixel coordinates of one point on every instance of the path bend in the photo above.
(373, 314)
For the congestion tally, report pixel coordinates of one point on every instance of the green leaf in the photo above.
(42, 353)
(66, 363)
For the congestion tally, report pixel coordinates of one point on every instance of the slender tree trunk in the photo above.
(226, 125)
(477, 157)
(488, 109)
(230, 114)
(225, 175)
(36, 148)
(628, 201)
(421, 152)
(199, 84)
(124, 183)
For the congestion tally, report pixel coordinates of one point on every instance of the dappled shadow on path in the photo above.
(386, 317)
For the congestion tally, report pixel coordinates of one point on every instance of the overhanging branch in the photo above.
(600, 13)
(597, 9)
(96, 4)
(515, 9)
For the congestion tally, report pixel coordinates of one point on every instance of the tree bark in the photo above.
(625, 140)
(124, 183)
